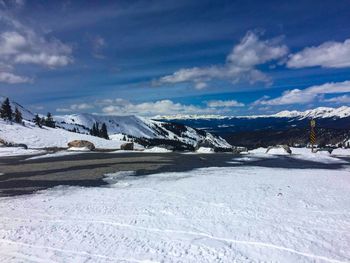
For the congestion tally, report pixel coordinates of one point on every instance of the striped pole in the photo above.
(312, 134)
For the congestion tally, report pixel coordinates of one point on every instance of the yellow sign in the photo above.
(313, 123)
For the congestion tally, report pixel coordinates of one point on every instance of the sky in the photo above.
(175, 57)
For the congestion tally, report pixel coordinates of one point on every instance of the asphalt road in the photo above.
(21, 176)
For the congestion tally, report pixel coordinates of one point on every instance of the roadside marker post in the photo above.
(312, 134)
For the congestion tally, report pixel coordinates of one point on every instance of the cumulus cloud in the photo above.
(298, 96)
(161, 107)
(11, 78)
(327, 55)
(241, 64)
(20, 44)
(224, 103)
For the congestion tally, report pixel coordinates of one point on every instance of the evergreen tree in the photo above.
(5, 110)
(18, 116)
(37, 120)
(103, 132)
(49, 122)
(97, 130)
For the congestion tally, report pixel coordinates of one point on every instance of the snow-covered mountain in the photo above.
(75, 126)
(320, 112)
(139, 127)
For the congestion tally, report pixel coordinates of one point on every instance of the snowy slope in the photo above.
(139, 127)
(232, 214)
(35, 137)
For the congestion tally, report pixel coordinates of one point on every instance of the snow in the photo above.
(205, 150)
(52, 155)
(79, 149)
(237, 214)
(157, 150)
(35, 137)
(320, 112)
(14, 151)
(278, 151)
(341, 152)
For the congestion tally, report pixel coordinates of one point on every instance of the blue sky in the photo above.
(175, 57)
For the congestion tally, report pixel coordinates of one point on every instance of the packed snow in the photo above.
(237, 214)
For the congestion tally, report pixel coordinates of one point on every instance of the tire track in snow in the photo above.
(81, 253)
(205, 235)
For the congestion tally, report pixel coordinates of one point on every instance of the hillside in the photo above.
(120, 128)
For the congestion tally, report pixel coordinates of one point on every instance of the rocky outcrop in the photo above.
(81, 144)
(129, 146)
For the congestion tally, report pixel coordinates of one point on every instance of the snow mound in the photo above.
(157, 150)
(205, 150)
(79, 149)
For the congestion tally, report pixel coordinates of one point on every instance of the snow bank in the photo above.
(79, 149)
(205, 150)
(341, 152)
(242, 214)
(278, 151)
(157, 150)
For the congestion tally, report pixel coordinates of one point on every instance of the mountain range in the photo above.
(285, 127)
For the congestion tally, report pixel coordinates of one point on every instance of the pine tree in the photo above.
(97, 130)
(18, 116)
(5, 110)
(103, 132)
(49, 122)
(37, 120)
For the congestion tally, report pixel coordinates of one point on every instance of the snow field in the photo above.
(236, 214)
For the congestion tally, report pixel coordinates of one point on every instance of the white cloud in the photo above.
(11, 78)
(240, 64)
(307, 95)
(327, 55)
(161, 107)
(20, 44)
(224, 103)
(76, 107)
(339, 99)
